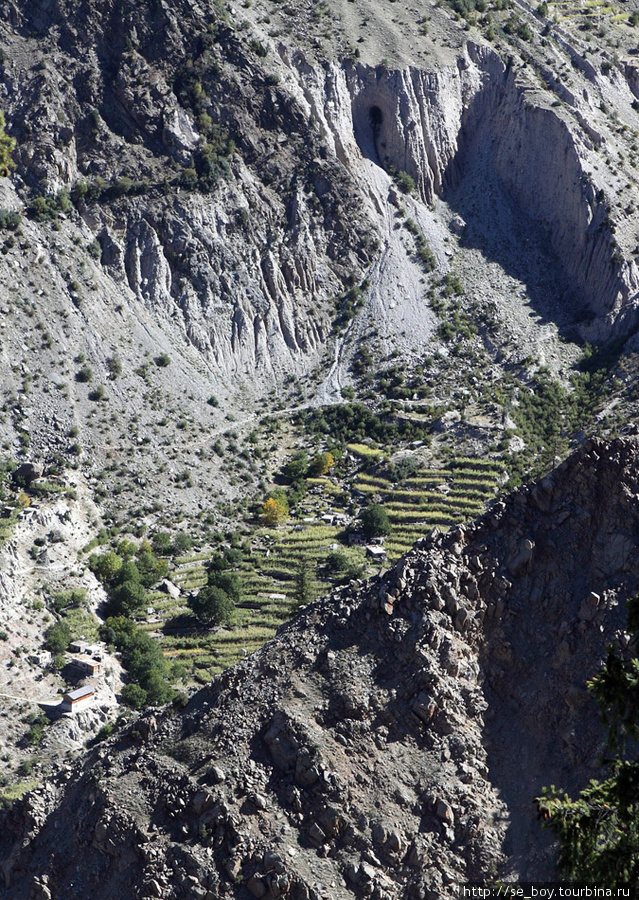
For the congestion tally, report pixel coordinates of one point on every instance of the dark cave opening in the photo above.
(376, 117)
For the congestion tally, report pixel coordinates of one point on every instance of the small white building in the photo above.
(78, 699)
(42, 658)
(86, 649)
(376, 552)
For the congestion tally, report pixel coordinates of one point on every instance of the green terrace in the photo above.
(269, 596)
(588, 13)
(431, 498)
(273, 555)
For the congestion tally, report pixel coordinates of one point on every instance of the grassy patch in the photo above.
(16, 791)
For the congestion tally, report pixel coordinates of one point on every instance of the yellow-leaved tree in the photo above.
(275, 511)
(323, 463)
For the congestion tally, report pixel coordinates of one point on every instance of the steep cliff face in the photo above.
(439, 126)
(249, 249)
(246, 265)
(387, 743)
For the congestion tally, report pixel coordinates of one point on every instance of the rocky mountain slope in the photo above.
(387, 743)
(221, 216)
(231, 178)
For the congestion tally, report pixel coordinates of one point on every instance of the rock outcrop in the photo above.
(388, 742)
(436, 124)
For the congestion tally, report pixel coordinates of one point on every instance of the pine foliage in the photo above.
(599, 830)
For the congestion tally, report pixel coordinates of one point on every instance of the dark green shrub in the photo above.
(181, 700)
(9, 219)
(305, 583)
(105, 732)
(182, 543)
(258, 48)
(79, 191)
(7, 145)
(213, 605)
(405, 182)
(374, 521)
(162, 543)
(84, 375)
(36, 732)
(114, 365)
(46, 208)
(62, 600)
(25, 768)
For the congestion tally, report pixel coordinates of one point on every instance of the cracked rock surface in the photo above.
(387, 743)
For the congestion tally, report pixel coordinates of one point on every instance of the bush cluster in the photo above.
(215, 603)
(165, 545)
(143, 660)
(348, 304)
(352, 422)
(47, 207)
(9, 220)
(127, 574)
(7, 145)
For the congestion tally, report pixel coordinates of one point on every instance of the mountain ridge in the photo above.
(388, 742)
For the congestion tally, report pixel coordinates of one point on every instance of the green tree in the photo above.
(57, 638)
(151, 568)
(126, 548)
(229, 582)
(134, 696)
(144, 661)
(219, 562)
(162, 543)
(340, 564)
(128, 572)
(182, 543)
(599, 831)
(297, 466)
(212, 605)
(305, 583)
(106, 566)
(7, 145)
(126, 598)
(374, 521)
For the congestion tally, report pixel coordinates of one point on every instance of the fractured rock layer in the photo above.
(388, 742)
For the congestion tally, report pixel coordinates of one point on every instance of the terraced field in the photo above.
(268, 573)
(273, 556)
(432, 498)
(588, 13)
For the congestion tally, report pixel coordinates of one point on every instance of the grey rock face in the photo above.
(364, 749)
